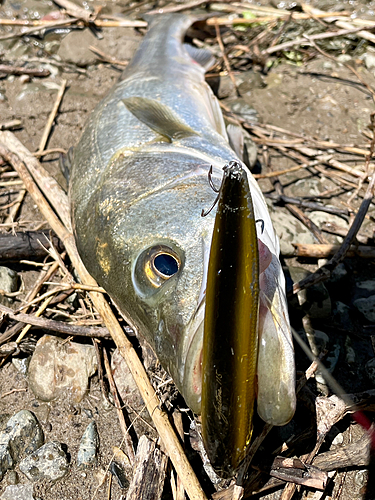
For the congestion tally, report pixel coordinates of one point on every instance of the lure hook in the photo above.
(262, 224)
(215, 189)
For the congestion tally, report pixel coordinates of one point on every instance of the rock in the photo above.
(367, 307)
(222, 86)
(350, 356)
(118, 472)
(341, 315)
(369, 60)
(243, 109)
(288, 229)
(321, 218)
(125, 384)
(18, 492)
(59, 368)
(248, 81)
(48, 462)
(21, 364)
(367, 285)
(12, 477)
(88, 447)
(75, 48)
(339, 273)
(8, 283)
(344, 58)
(21, 436)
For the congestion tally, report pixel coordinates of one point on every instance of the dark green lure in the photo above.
(230, 344)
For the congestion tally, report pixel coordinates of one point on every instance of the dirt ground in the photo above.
(302, 92)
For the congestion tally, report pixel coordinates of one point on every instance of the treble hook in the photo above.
(215, 189)
(262, 222)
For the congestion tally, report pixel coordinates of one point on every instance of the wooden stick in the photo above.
(24, 245)
(159, 417)
(106, 58)
(75, 11)
(15, 70)
(323, 251)
(51, 118)
(57, 326)
(225, 59)
(11, 124)
(125, 431)
(304, 41)
(17, 204)
(51, 189)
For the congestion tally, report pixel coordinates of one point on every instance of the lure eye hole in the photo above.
(166, 265)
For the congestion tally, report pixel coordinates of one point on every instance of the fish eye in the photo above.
(154, 267)
(166, 265)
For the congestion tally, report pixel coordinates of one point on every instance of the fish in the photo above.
(138, 183)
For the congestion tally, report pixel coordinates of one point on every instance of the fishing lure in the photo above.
(230, 343)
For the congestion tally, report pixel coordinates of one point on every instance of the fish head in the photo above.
(151, 252)
(167, 280)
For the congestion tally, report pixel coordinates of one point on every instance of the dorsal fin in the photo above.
(159, 117)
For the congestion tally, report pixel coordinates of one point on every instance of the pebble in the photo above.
(118, 472)
(366, 306)
(369, 60)
(18, 492)
(125, 384)
(21, 436)
(21, 364)
(368, 285)
(48, 462)
(61, 369)
(12, 477)
(88, 447)
(74, 48)
(339, 439)
(8, 283)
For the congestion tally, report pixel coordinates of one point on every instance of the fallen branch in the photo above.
(25, 245)
(17, 71)
(56, 326)
(322, 251)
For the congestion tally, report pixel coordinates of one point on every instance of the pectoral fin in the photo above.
(159, 117)
(201, 56)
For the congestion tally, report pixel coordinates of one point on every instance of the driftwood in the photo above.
(26, 245)
(149, 472)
